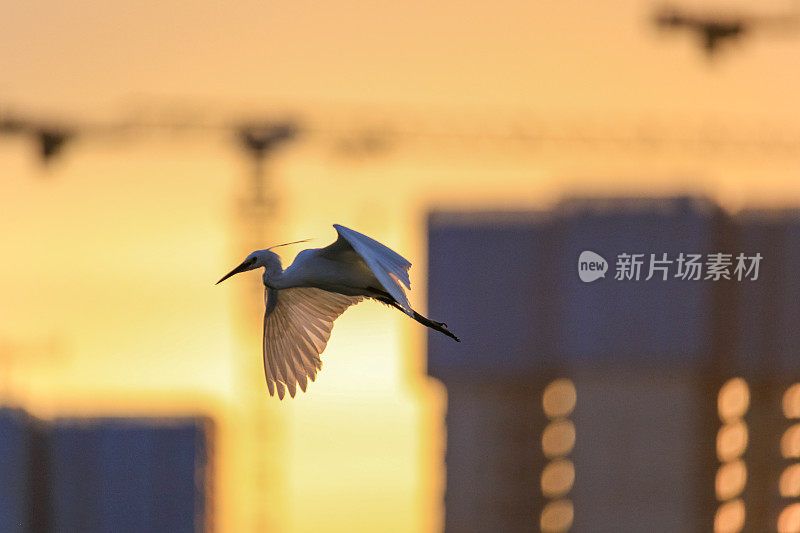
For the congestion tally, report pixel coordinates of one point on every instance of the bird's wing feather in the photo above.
(389, 267)
(297, 326)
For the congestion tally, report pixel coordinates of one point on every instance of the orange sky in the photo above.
(115, 250)
(567, 56)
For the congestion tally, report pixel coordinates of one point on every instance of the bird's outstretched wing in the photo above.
(389, 267)
(297, 326)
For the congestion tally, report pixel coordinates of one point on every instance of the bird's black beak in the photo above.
(240, 268)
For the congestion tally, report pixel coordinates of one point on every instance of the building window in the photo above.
(733, 402)
(558, 439)
(789, 481)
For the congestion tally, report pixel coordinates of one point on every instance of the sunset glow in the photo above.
(110, 254)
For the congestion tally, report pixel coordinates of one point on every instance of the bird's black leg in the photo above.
(441, 327)
(438, 326)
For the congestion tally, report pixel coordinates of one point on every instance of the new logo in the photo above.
(591, 266)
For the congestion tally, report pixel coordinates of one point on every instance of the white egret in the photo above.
(303, 301)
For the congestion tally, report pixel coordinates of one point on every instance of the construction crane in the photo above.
(712, 30)
(258, 209)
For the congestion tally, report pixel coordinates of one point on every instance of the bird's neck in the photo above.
(276, 279)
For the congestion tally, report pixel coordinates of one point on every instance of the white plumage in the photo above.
(303, 301)
(296, 332)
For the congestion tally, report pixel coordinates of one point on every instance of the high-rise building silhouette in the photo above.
(660, 396)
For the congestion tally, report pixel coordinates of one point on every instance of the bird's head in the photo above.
(260, 258)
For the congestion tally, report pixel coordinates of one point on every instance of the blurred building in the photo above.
(17, 458)
(104, 474)
(619, 403)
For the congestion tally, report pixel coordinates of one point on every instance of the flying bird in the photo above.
(303, 301)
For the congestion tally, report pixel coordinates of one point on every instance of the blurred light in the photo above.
(559, 398)
(557, 516)
(789, 519)
(731, 479)
(789, 483)
(557, 478)
(733, 400)
(731, 441)
(791, 401)
(729, 517)
(558, 438)
(790, 442)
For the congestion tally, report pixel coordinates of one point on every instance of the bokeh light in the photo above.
(733, 399)
(789, 519)
(730, 517)
(789, 482)
(731, 479)
(558, 438)
(790, 442)
(557, 478)
(558, 399)
(557, 516)
(791, 402)
(731, 441)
